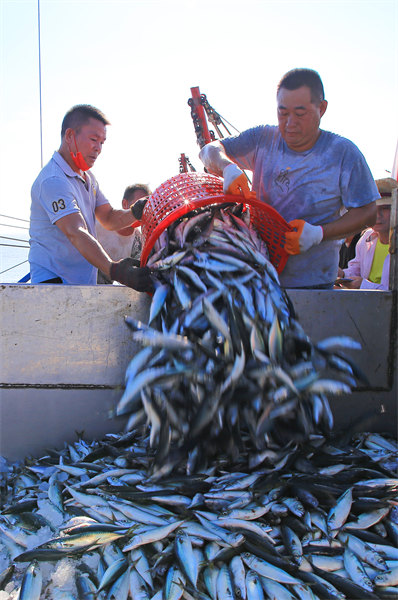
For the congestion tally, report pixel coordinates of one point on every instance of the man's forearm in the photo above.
(117, 219)
(214, 158)
(92, 251)
(353, 221)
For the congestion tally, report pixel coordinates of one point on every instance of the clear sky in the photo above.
(136, 60)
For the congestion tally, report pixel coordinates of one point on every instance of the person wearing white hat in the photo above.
(371, 266)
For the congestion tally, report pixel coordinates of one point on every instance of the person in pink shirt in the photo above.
(370, 268)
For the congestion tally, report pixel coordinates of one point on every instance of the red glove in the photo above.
(303, 238)
(138, 278)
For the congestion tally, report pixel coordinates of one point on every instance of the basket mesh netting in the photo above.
(189, 191)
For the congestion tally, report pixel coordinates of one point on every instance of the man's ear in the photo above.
(69, 136)
(125, 204)
(323, 106)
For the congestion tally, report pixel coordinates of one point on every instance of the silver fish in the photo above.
(253, 586)
(186, 557)
(175, 584)
(151, 535)
(32, 583)
(356, 570)
(387, 578)
(266, 569)
(338, 514)
(137, 587)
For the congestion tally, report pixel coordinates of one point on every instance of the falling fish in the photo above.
(226, 345)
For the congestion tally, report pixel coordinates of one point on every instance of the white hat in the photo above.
(385, 187)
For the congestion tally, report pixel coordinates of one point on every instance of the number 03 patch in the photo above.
(58, 205)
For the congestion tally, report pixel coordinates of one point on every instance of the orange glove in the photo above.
(303, 238)
(235, 182)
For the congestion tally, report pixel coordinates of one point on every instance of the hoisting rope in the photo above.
(14, 267)
(200, 109)
(185, 163)
(4, 237)
(13, 239)
(215, 118)
(23, 243)
(15, 218)
(201, 112)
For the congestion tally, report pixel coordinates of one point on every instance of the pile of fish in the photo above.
(225, 363)
(228, 481)
(87, 522)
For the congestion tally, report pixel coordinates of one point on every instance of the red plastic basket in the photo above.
(188, 191)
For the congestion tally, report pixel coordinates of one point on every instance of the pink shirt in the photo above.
(361, 265)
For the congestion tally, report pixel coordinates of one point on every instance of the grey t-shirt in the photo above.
(315, 185)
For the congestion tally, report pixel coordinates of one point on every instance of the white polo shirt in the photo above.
(59, 191)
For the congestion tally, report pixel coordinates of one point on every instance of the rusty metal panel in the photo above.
(33, 420)
(370, 317)
(67, 334)
(366, 316)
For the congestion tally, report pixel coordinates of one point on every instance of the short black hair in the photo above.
(79, 115)
(136, 187)
(296, 78)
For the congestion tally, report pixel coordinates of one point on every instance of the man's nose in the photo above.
(291, 120)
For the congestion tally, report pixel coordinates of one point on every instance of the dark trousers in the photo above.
(54, 280)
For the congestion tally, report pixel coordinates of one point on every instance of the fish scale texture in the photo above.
(322, 525)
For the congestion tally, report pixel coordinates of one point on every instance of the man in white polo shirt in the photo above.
(66, 199)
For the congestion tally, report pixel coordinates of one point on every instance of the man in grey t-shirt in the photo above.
(310, 176)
